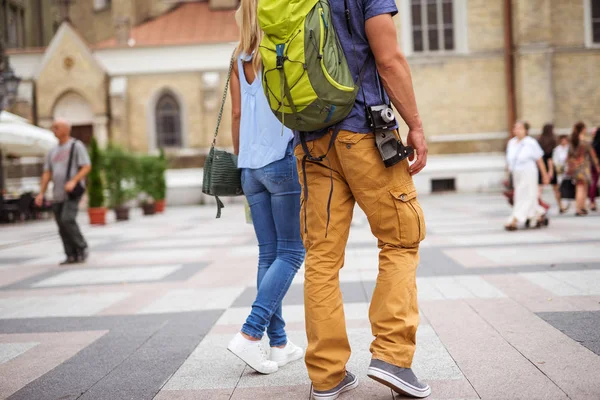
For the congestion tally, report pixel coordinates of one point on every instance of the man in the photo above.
(65, 209)
(388, 198)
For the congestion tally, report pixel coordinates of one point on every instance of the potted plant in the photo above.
(161, 190)
(96, 209)
(120, 169)
(147, 183)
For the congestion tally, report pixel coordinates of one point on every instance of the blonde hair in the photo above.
(250, 32)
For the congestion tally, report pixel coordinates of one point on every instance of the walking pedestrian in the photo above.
(547, 142)
(560, 155)
(270, 183)
(595, 172)
(524, 157)
(580, 158)
(356, 170)
(66, 166)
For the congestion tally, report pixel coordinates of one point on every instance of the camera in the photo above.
(381, 120)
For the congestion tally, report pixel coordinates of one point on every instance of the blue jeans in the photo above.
(273, 193)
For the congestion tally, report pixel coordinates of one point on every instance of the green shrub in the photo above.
(94, 178)
(162, 178)
(149, 177)
(121, 171)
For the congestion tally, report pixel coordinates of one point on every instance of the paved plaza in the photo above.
(503, 315)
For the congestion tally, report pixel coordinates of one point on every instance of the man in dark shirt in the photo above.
(388, 198)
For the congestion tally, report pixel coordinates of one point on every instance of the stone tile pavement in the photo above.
(504, 315)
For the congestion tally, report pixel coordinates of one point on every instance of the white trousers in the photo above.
(526, 205)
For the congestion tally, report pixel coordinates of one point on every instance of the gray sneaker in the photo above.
(401, 380)
(350, 382)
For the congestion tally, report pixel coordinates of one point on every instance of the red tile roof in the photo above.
(188, 23)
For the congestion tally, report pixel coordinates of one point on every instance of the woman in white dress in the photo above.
(524, 157)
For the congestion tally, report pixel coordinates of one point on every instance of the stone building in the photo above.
(149, 74)
(143, 74)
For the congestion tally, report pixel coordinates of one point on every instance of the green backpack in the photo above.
(306, 78)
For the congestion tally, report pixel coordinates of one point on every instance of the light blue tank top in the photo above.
(261, 138)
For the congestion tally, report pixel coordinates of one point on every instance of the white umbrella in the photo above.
(20, 138)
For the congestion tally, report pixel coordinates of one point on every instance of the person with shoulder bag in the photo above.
(66, 166)
(270, 183)
(332, 70)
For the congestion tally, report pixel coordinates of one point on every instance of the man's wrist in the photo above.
(415, 125)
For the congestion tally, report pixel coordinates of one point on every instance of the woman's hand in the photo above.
(543, 171)
(545, 179)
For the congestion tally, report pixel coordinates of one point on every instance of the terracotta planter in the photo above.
(149, 208)
(97, 216)
(160, 205)
(122, 213)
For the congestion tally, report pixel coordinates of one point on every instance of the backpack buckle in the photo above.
(280, 57)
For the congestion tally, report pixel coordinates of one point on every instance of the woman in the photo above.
(524, 157)
(595, 172)
(270, 182)
(579, 166)
(547, 142)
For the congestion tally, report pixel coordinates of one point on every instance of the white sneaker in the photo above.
(289, 353)
(252, 353)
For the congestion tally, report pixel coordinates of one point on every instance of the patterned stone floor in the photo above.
(504, 315)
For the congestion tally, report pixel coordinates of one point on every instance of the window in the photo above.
(15, 26)
(432, 25)
(168, 122)
(100, 5)
(595, 21)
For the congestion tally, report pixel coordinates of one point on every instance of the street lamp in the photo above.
(9, 82)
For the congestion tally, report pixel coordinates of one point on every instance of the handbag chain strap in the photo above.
(214, 142)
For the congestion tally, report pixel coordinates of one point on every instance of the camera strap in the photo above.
(381, 89)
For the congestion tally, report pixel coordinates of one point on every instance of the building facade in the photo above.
(153, 83)
(459, 64)
(149, 73)
(27, 23)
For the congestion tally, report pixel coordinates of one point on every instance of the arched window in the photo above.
(168, 122)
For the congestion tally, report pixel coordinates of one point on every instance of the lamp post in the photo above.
(9, 82)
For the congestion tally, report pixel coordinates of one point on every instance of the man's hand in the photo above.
(39, 200)
(416, 139)
(69, 186)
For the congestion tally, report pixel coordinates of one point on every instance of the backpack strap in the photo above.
(308, 157)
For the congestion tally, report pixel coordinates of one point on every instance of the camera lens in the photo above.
(387, 115)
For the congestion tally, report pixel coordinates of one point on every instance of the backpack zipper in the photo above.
(332, 81)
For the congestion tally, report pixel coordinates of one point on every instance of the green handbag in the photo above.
(222, 177)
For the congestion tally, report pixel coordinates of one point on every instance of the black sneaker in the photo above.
(401, 380)
(350, 382)
(83, 255)
(69, 260)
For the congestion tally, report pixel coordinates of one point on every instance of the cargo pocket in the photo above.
(410, 216)
(357, 140)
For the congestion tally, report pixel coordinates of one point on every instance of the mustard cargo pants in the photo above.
(389, 199)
